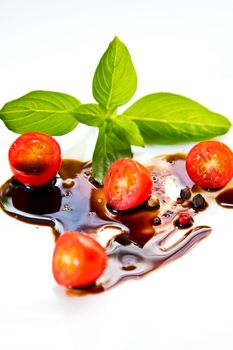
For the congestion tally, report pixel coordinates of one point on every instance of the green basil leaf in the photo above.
(115, 79)
(130, 130)
(165, 118)
(90, 114)
(110, 146)
(44, 111)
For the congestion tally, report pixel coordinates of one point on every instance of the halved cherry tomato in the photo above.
(35, 158)
(127, 184)
(78, 260)
(210, 164)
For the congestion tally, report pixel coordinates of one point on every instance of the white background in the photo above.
(178, 46)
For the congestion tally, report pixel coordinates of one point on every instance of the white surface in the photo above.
(177, 46)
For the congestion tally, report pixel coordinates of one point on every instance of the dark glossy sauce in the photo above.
(225, 198)
(73, 202)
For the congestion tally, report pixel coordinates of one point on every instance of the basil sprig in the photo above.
(158, 118)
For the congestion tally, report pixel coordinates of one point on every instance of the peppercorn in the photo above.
(198, 201)
(184, 220)
(157, 221)
(185, 193)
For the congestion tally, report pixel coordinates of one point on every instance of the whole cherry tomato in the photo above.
(35, 158)
(210, 164)
(78, 260)
(127, 184)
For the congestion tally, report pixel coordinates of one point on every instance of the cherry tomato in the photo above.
(210, 164)
(78, 260)
(35, 158)
(127, 184)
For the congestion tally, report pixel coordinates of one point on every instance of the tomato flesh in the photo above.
(209, 164)
(78, 260)
(127, 184)
(35, 158)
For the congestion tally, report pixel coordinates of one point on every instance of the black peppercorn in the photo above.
(198, 202)
(157, 221)
(185, 193)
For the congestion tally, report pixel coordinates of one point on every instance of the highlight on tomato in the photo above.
(127, 184)
(35, 158)
(209, 164)
(78, 260)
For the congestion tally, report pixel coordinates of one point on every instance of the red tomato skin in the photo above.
(82, 255)
(141, 188)
(34, 158)
(209, 164)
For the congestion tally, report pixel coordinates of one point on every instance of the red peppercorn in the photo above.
(185, 219)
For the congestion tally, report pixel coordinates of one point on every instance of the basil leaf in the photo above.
(90, 114)
(168, 119)
(110, 146)
(44, 111)
(115, 79)
(130, 130)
